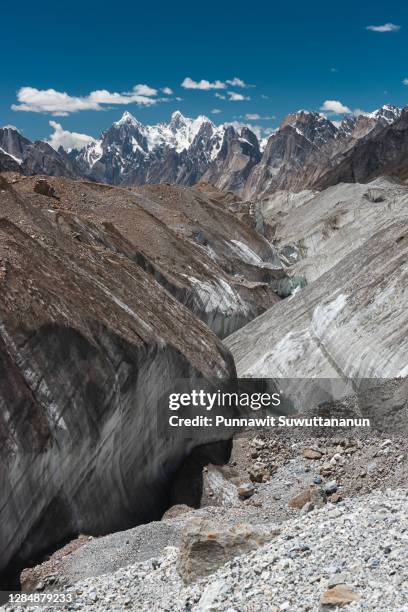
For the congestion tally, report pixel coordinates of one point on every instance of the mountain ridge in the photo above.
(306, 146)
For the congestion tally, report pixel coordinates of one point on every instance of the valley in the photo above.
(192, 252)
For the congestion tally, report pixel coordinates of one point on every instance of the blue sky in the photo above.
(294, 54)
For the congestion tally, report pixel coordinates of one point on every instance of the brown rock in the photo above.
(43, 187)
(176, 511)
(339, 595)
(299, 500)
(206, 546)
(312, 453)
(246, 490)
(335, 498)
(313, 494)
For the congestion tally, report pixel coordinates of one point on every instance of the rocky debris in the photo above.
(339, 595)
(259, 473)
(333, 547)
(111, 553)
(45, 574)
(225, 272)
(43, 187)
(74, 309)
(219, 485)
(206, 546)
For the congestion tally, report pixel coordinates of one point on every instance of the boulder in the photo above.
(43, 187)
(206, 546)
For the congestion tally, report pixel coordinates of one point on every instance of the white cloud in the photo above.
(236, 97)
(216, 111)
(67, 140)
(264, 97)
(236, 82)
(334, 70)
(188, 83)
(405, 81)
(60, 104)
(257, 117)
(167, 90)
(144, 90)
(335, 107)
(387, 27)
(220, 96)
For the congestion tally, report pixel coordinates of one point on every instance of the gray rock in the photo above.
(330, 487)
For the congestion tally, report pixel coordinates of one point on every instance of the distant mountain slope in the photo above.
(33, 157)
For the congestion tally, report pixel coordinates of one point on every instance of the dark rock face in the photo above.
(41, 158)
(33, 157)
(88, 342)
(237, 156)
(382, 152)
(8, 164)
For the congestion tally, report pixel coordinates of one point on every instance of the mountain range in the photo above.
(308, 150)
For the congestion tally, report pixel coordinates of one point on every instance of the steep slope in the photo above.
(34, 157)
(8, 163)
(380, 152)
(90, 344)
(349, 323)
(314, 231)
(237, 156)
(299, 137)
(222, 270)
(307, 145)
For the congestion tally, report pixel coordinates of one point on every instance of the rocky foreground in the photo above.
(332, 557)
(314, 525)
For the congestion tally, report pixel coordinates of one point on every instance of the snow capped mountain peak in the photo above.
(178, 120)
(389, 113)
(128, 118)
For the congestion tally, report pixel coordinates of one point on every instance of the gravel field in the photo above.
(360, 542)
